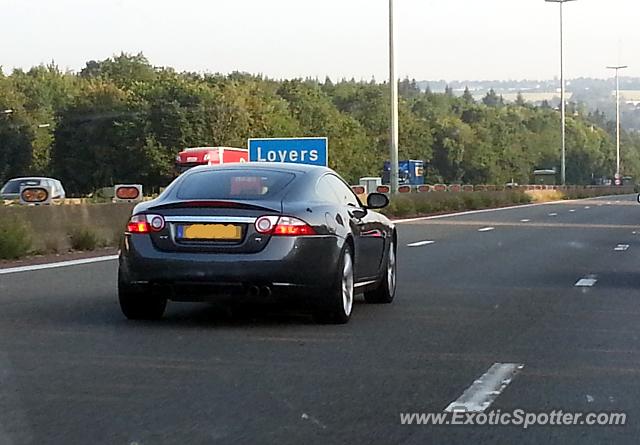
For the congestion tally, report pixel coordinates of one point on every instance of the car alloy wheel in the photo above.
(347, 283)
(391, 269)
(386, 290)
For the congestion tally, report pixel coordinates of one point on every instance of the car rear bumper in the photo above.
(286, 262)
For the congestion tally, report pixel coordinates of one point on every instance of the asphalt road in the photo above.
(493, 287)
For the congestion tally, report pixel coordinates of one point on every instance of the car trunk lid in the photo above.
(213, 226)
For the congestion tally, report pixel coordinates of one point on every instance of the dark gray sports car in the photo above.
(258, 230)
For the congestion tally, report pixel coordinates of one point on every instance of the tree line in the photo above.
(122, 120)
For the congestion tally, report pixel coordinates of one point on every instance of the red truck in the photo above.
(192, 157)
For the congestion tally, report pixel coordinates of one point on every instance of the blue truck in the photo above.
(410, 172)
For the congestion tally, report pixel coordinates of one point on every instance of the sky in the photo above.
(444, 39)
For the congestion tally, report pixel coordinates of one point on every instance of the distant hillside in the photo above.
(594, 94)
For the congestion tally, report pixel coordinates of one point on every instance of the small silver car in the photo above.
(11, 189)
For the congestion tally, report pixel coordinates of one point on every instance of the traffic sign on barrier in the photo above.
(480, 188)
(455, 188)
(467, 188)
(32, 194)
(404, 189)
(128, 193)
(440, 188)
(358, 189)
(383, 189)
(423, 188)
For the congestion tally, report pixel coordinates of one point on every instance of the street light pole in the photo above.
(617, 68)
(562, 92)
(393, 83)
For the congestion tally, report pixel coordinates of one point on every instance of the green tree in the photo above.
(492, 99)
(467, 96)
(101, 140)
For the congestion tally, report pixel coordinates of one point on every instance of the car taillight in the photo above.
(283, 226)
(265, 224)
(145, 224)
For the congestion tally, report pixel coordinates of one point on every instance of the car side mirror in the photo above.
(378, 201)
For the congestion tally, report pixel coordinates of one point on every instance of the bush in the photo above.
(15, 238)
(84, 238)
(436, 202)
(455, 202)
(486, 200)
(472, 200)
(402, 206)
(423, 205)
(524, 198)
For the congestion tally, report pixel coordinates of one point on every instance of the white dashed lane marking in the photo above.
(525, 220)
(572, 211)
(486, 229)
(588, 281)
(420, 243)
(621, 247)
(486, 389)
(553, 214)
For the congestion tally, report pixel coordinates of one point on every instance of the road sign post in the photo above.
(312, 151)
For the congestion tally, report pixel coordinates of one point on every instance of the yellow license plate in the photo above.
(227, 232)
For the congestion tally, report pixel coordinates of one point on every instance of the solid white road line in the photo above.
(475, 212)
(484, 391)
(486, 229)
(621, 247)
(57, 265)
(420, 243)
(553, 214)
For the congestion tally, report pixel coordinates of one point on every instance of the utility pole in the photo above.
(618, 177)
(562, 92)
(393, 83)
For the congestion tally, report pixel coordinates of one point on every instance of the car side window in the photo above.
(343, 191)
(325, 190)
(60, 188)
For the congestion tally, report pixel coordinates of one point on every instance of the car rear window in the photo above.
(234, 184)
(13, 186)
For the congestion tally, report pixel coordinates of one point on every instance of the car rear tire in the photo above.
(338, 302)
(138, 303)
(386, 291)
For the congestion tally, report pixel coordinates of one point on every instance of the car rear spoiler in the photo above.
(218, 204)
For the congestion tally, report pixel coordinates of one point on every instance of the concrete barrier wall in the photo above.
(51, 225)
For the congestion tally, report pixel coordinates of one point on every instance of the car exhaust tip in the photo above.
(265, 291)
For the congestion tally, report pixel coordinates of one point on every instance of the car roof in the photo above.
(32, 178)
(279, 166)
